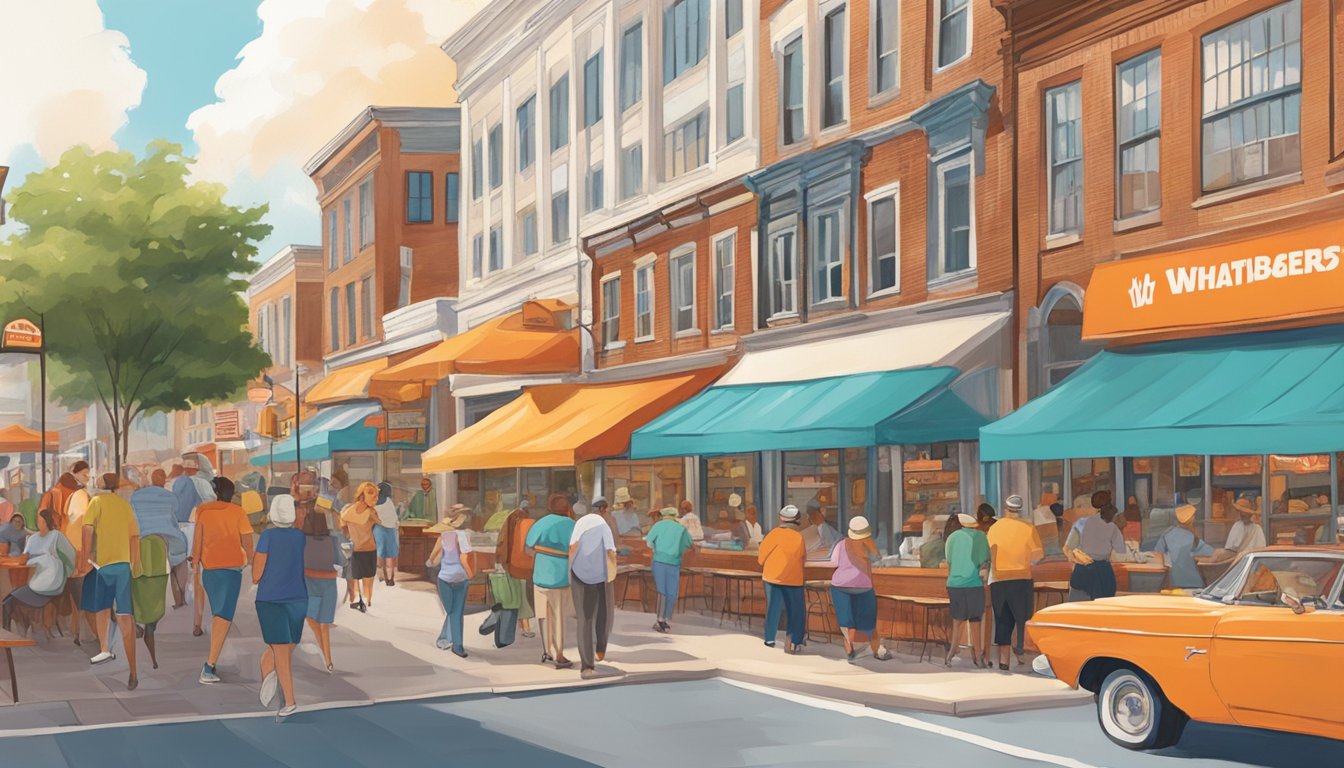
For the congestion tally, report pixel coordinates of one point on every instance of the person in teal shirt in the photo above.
(669, 540)
(967, 554)
(548, 541)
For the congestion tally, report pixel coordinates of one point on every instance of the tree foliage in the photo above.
(138, 275)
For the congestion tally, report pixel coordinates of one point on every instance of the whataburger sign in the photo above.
(1284, 276)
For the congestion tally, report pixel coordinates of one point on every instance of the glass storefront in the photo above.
(653, 484)
(489, 491)
(931, 475)
(1300, 489)
(728, 475)
(831, 482)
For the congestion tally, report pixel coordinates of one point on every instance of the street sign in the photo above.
(22, 334)
(399, 420)
(228, 425)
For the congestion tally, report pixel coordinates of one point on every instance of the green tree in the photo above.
(138, 275)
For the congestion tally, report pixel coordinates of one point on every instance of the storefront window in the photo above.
(1086, 477)
(652, 484)
(813, 479)
(931, 474)
(856, 485)
(728, 475)
(1234, 477)
(1300, 489)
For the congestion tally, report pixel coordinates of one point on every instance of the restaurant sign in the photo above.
(1284, 276)
(22, 334)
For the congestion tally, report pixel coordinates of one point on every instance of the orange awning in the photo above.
(342, 384)
(520, 343)
(17, 438)
(563, 425)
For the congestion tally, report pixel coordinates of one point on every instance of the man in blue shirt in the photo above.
(548, 541)
(156, 513)
(1181, 546)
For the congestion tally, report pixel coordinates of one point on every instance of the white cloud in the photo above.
(67, 79)
(314, 66)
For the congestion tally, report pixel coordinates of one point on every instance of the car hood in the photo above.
(1144, 614)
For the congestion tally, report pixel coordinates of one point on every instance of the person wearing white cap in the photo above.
(627, 519)
(1180, 545)
(669, 541)
(1014, 545)
(282, 601)
(852, 591)
(783, 557)
(967, 556)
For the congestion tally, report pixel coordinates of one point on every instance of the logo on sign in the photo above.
(1141, 291)
(22, 334)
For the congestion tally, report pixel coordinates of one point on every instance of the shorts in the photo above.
(90, 593)
(363, 565)
(221, 589)
(386, 541)
(968, 603)
(112, 590)
(1012, 601)
(855, 610)
(321, 599)
(282, 622)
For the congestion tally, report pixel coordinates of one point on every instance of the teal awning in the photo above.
(1261, 393)
(854, 411)
(339, 428)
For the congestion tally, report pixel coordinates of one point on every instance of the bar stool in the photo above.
(633, 573)
(930, 606)
(690, 592)
(743, 588)
(819, 603)
(897, 602)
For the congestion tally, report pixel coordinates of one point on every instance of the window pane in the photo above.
(886, 44)
(734, 128)
(1064, 113)
(560, 217)
(956, 219)
(792, 86)
(732, 17)
(560, 113)
(632, 65)
(451, 198)
(723, 285)
(632, 171)
(477, 256)
(833, 107)
(592, 90)
(883, 245)
(477, 170)
(611, 311)
(526, 140)
(350, 313)
(952, 29)
(496, 156)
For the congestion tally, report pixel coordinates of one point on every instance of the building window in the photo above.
(956, 215)
(286, 331)
(263, 327)
(496, 156)
(366, 213)
(333, 241)
(611, 311)
(1064, 158)
(632, 171)
(1252, 76)
(529, 231)
(632, 65)
(451, 195)
(954, 31)
(686, 147)
(1060, 346)
(592, 90)
(419, 197)
(644, 303)
(734, 127)
(1138, 87)
(685, 36)
(732, 18)
(496, 248)
(791, 85)
(560, 216)
(833, 68)
(527, 121)
(884, 245)
(593, 189)
(366, 302)
(560, 112)
(406, 269)
(348, 235)
(724, 252)
(334, 310)
(827, 258)
(783, 278)
(477, 256)
(350, 309)
(681, 279)
(886, 45)
(477, 170)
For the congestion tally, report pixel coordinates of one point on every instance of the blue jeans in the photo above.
(454, 599)
(789, 600)
(667, 579)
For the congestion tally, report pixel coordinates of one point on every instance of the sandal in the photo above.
(951, 654)
(882, 654)
(195, 632)
(1003, 667)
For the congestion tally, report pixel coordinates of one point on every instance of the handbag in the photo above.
(492, 621)
(611, 567)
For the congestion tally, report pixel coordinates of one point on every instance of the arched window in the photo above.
(1058, 346)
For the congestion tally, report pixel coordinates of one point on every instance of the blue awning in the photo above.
(853, 411)
(1260, 393)
(339, 428)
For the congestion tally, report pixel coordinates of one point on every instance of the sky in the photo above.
(251, 88)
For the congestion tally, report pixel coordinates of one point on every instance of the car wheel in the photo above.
(1135, 714)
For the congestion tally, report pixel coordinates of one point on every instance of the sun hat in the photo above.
(623, 495)
(734, 500)
(1245, 506)
(1185, 513)
(967, 521)
(789, 513)
(453, 519)
(1013, 503)
(668, 512)
(282, 511)
(859, 529)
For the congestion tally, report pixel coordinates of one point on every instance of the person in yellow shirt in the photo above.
(1014, 545)
(111, 519)
(782, 557)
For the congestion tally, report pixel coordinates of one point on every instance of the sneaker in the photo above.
(588, 673)
(105, 656)
(769, 643)
(563, 664)
(287, 710)
(443, 645)
(270, 688)
(460, 652)
(208, 675)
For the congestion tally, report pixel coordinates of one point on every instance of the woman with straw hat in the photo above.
(455, 572)
(852, 591)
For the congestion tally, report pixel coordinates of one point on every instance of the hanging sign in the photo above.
(22, 334)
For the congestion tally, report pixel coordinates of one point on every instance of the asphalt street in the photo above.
(712, 723)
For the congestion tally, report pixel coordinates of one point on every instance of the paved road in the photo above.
(677, 724)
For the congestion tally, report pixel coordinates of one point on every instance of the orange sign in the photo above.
(22, 334)
(1284, 276)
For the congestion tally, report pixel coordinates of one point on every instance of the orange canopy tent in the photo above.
(17, 438)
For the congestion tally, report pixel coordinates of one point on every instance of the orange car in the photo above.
(1263, 646)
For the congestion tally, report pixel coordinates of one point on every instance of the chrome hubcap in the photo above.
(1131, 708)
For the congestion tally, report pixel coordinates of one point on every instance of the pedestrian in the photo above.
(221, 547)
(627, 519)
(852, 592)
(548, 541)
(603, 509)
(12, 537)
(110, 522)
(385, 535)
(782, 558)
(1244, 535)
(424, 504)
(592, 567)
(669, 541)
(52, 559)
(69, 500)
(451, 554)
(1093, 544)
(1014, 546)
(691, 521)
(967, 558)
(58, 498)
(748, 530)
(985, 517)
(282, 601)
(156, 513)
(1180, 545)
(358, 521)
(512, 554)
(322, 561)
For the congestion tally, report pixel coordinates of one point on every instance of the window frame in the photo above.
(958, 159)
(558, 235)
(420, 205)
(611, 322)
(1051, 163)
(724, 291)
(939, 20)
(594, 189)
(729, 31)
(557, 114)
(495, 139)
(525, 133)
(478, 256)
(892, 193)
(630, 191)
(348, 235)
(790, 231)
(333, 238)
(529, 214)
(477, 169)
(830, 79)
(677, 259)
(645, 269)
(351, 315)
(679, 135)
(875, 89)
(366, 212)
(679, 67)
(592, 91)
(786, 138)
(815, 245)
(1151, 134)
(452, 197)
(366, 303)
(495, 252)
(631, 86)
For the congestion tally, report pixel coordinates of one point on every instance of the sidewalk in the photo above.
(389, 654)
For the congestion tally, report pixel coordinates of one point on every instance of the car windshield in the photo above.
(1224, 587)
(1268, 578)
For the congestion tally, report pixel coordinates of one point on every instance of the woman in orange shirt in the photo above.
(783, 557)
(358, 521)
